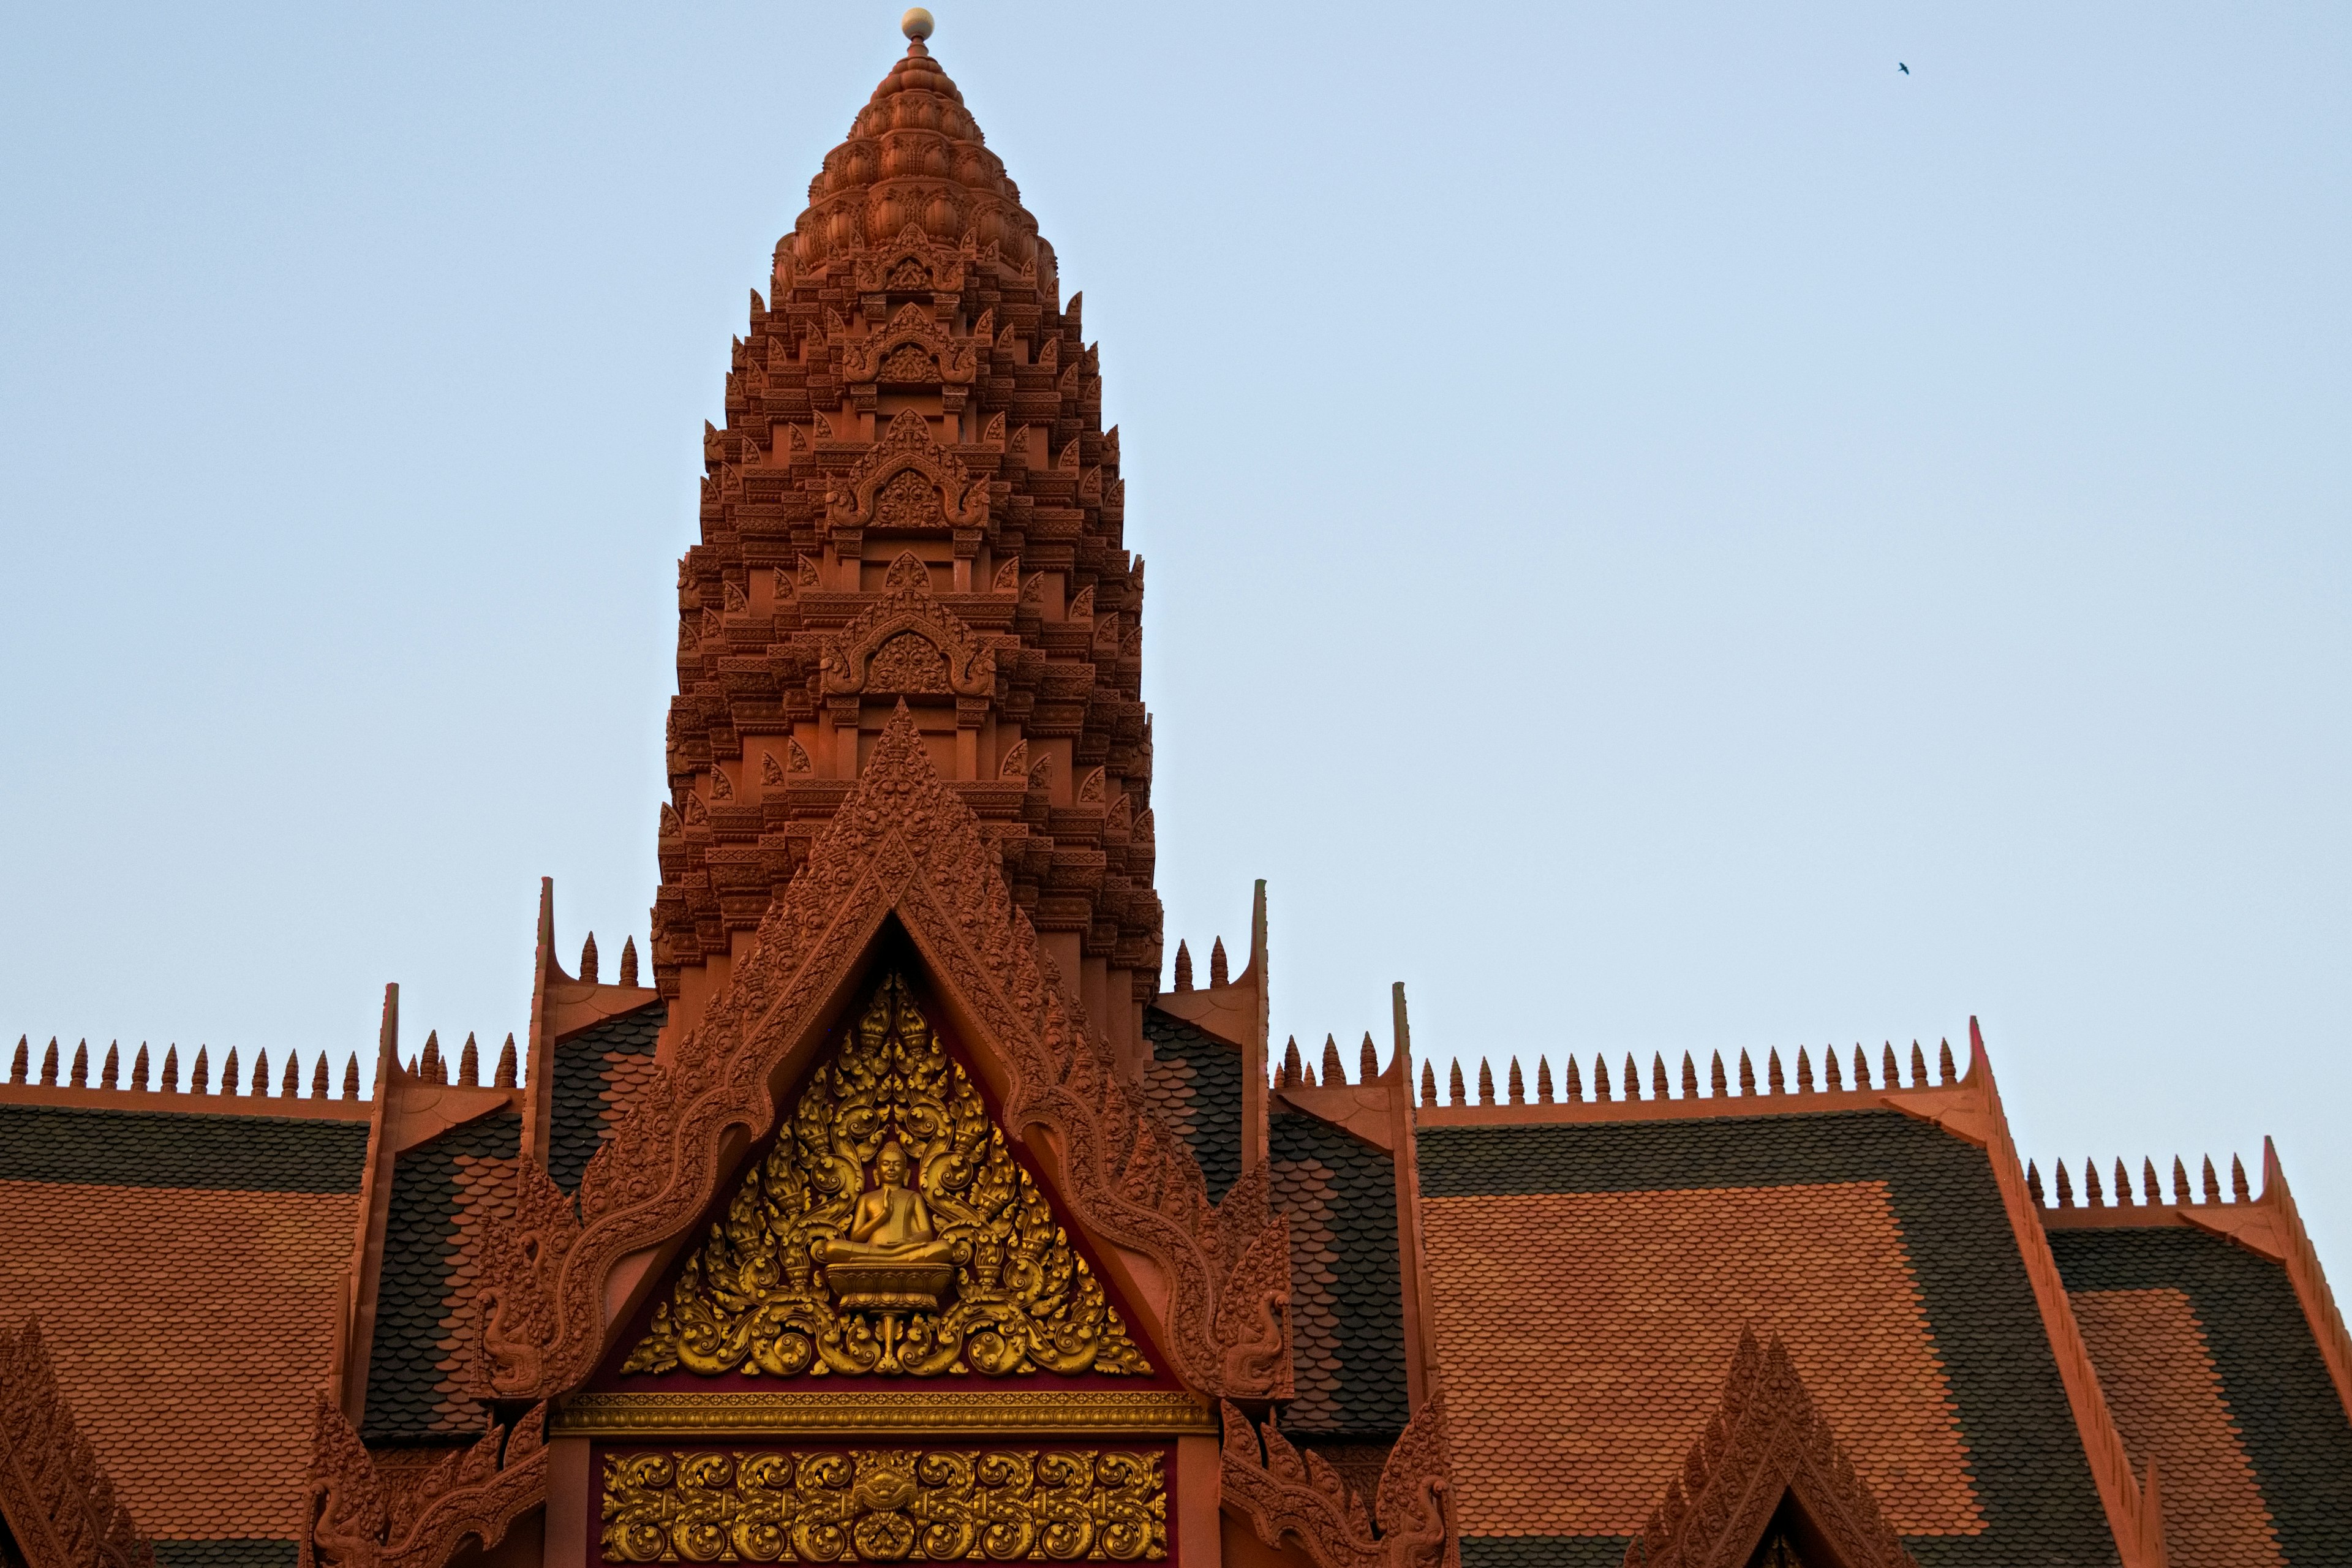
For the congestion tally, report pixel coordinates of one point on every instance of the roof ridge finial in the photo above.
(916, 25)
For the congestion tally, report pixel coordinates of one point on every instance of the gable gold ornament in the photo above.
(889, 1231)
(885, 1505)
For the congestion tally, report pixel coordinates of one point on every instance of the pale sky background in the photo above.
(1664, 532)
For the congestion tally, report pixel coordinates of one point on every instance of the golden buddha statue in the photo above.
(891, 1223)
(892, 1256)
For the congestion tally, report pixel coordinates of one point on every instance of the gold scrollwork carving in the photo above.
(761, 1295)
(885, 1505)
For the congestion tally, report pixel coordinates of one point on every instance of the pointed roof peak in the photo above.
(917, 71)
(915, 157)
(904, 845)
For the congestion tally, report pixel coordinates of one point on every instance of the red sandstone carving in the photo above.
(1283, 1493)
(945, 656)
(1765, 1443)
(55, 1497)
(912, 260)
(902, 844)
(945, 495)
(346, 1496)
(358, 1520)
(1253, 1317)
(913, 337)
(913, 319)
(917, 387)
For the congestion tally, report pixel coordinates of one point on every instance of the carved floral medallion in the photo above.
(910, 366)
(907, 502)
(889, 1231)
(908, 663)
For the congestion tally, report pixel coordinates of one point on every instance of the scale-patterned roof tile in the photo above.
(596, 1072)
(1196, 1084)
(185, 1271)
(1347, 1304)
(2152, 1301)
(443, 1194)
(1597, 1275)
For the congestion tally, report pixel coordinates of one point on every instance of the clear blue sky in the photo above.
(1664, 532)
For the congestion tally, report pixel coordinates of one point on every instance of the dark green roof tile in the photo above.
(421, 1323)
(2273, 1379)
(1194, 1083)
(2033, 1481)
(160, 1148)
(1347, 1292)
(596, 1072)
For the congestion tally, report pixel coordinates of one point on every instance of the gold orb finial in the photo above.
(916, 24)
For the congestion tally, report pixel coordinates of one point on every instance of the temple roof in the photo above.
(185, 1271)
(596, 1071)
(1551, 1333)
(1590, 1284)
(2211, 1369)
(1346, 1297)
(446, 1194)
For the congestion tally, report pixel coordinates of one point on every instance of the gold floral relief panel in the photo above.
(885, 1505)
(889, 1231)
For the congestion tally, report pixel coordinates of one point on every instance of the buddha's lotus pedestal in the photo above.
(882, 1285)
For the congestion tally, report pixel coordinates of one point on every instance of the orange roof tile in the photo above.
(2161, 1381)
(1583, 1339)
(192, 1331)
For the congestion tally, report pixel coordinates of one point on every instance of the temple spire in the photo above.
(913, 499)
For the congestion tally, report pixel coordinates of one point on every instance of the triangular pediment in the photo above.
(902, 877)
(1767, 1485)
(888, 1230)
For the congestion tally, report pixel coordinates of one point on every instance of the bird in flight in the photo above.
(1901, 67)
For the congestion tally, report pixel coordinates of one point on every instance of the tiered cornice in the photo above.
(913, 498)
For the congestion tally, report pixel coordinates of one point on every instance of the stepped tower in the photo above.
(913, 500)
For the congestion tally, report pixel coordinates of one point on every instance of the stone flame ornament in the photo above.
(890, 1231)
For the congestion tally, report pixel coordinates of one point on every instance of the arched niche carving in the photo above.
(878, 492)
(913, 260)
(908, 644)
(913, 331)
